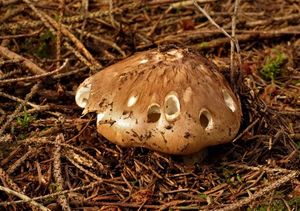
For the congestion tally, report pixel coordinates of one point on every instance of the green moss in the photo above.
(278, 205)
(272, 67)
(54, 187)
(298, 144)
(178, 9)
(135, 182)
(203, 45)
(295, 82)
(41, 46)
(295, 202)
(146, 8)
(238, 177)
(25, 120)
(202, 195)
(44, 49)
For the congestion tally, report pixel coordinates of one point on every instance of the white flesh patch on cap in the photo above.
(82, 95)
(205, 119)
(229, 101)
(100, 117)
(172, 106)
(132, 100)
(125, 123)
(187, 94)
(175, 53)
(144, 61)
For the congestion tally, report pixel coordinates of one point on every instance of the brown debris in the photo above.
(51, 157)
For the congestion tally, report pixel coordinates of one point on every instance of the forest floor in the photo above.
(51, 157)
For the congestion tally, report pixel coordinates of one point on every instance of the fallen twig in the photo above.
(5, 52)
(24, 197)
(29, 78)
(57, 173)
(261, 192)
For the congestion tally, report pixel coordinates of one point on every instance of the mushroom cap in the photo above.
(173, 101)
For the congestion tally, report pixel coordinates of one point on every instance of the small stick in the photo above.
(40, 15)
(22, 35)
(242, 35)
(19, 100)
(66, 20)
(62, 199)
(73, 72)
(251, 125)
(58, 34)
(29, 78)
(261, 168)
(211, 20)
(233, 41)
(87, 172)
(232, 44)
(24, 197)
(103, 40)
(33, 90)
(47, 20)
(5, 177)
(158, 21)
(79, 56)
(7, 2)
(5, 52)
(21, 160)
(77, 43)
(68, 146)
(261, 192)
(91, 185)
(111, 16)
(84, 11)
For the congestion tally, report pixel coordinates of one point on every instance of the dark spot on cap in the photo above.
(189, 115)
(187, 135)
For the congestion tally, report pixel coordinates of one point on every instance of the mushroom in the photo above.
(174, 101)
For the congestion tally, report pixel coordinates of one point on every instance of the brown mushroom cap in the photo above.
(174, 102)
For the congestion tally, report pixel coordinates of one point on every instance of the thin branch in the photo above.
(90, 185)
(30, 78)
(62, 199)
(33, 91)
(64, 31)
(233, 43)
(5, 52)
(24, 197)
(211, 20)
(261, 192)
